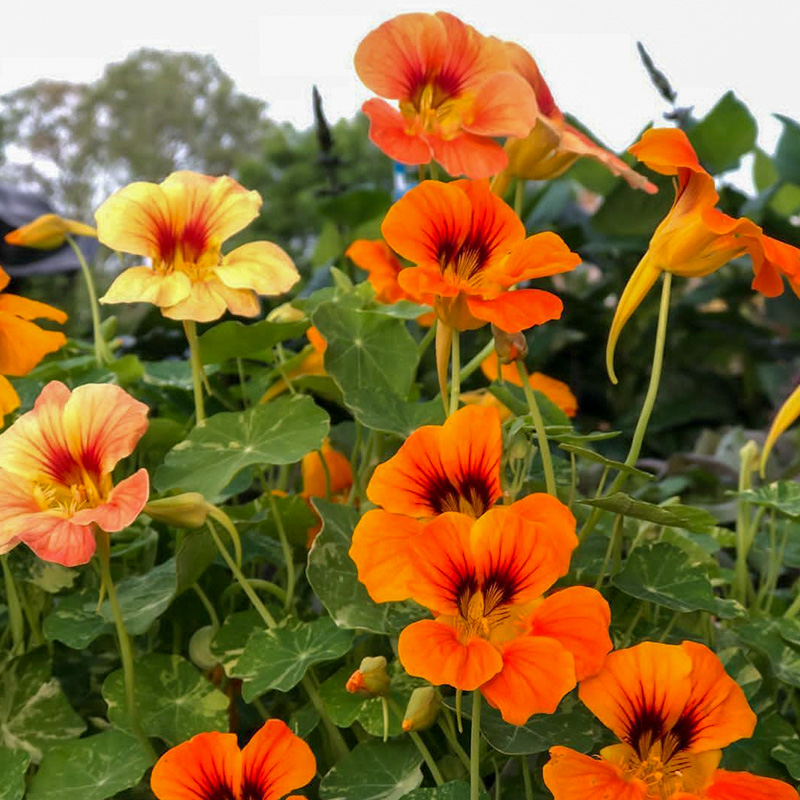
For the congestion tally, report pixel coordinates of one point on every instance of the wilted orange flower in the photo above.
(313, 363)
(439, 469)
(211, 766)
(383, 267)
(695, 238)
(469, 248)
(48, 232)
(554, 145)
(554, 390)
(180, 224)
(674, 708)
(23, 344)
(484, 581)
(456, 88)
(55, 471)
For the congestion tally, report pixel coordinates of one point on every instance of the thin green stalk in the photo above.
(541, 435)
(433, 170)
(420, 745)
(125, 649)
(573, 480)
(288, 555)
(208, 605)
(32, 616)
(242, 381)
(102, 352)
(455, 373)
(647, 406)
(449, 730)
(475, 748)
(745, 532)
(16, 620)
(326, 473)
(616, 531)
(475, 363)
(526, 778)
(426, 340)
(334, 734)
(634, 622)
(198, 376)
(670, 625)
(220, 516)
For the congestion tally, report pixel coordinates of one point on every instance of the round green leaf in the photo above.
(13, 766)
(176, 701)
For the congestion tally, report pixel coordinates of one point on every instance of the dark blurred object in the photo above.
(327, 157)
(17, 208)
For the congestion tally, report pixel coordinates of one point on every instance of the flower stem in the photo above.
(745, 531)
(449, 730)
(427, 757)
(474, 363)
(519, 197)
(334, 734)
(426, 340)
(647, 406)
(15, 618)
(125, 649)
(101, 349)
(288, 556)
(475, 748)
(455, 373)
(526, 778)
(541, 435)
(190, 329)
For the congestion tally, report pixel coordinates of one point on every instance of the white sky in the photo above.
(585, 48)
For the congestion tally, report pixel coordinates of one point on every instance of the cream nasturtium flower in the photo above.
(180, 225)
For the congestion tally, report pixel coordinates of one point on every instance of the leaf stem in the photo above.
(541, 435)
(475, 748)
(15, 618)
(288, 555)
(455, 373)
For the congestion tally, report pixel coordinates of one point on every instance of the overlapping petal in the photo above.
(48, 232)
(570, 775)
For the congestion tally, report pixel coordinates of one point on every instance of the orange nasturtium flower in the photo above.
(469, 248)
(695, 238)
(456, 89)
(313, 363)
(439, 469)
(48, 232)
(337, 470)
(23, 344)
(55, 471)
(673, 708)
(180, 224)
(554, 145)
(555, 390)
(211, 766)
(493, 631)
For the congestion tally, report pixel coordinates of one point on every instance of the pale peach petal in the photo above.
(261, 266)
(102, 424)
(124, 504)
(144, 285)
(242, 302)
(54, 538)
(504, 106)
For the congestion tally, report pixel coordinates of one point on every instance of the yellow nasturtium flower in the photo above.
(695, 238)
(48, 232)
(180, 225)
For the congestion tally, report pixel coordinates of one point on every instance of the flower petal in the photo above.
(143, 285)
(432, 650)
(123, 506)
(510, 552)
(555, 522)
(744, 786)
(261, 266)
(470, 155)
(427, 219)
(203, 303)
(55, 538)
(24, 344)
(30, 309)
(537, 673)
(207, 767)
(641, 691)
(9, 399)
(539, 256)
(102, 424)
(275, 761)
(518, 310)
(389, 131)
(381, 549)
(785, 417)
(717, 712)
(577, 618)
(570, 775)
(382, 265)
(48, 232)
(503, 106)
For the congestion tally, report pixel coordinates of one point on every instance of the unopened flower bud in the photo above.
(188, 510)
(509, 346)
(370, 678)
(285, 312)
(423, 709)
